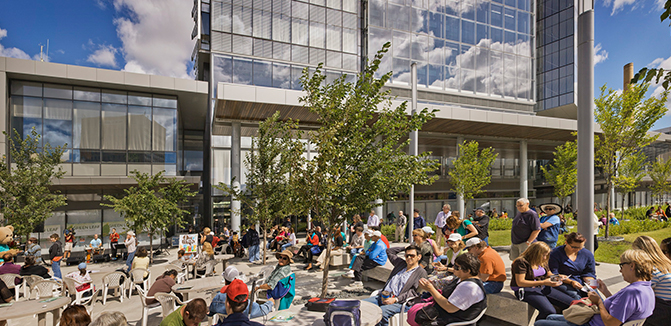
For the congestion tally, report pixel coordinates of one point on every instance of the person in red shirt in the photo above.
(311, 240)
(384, 239)
(114, 241)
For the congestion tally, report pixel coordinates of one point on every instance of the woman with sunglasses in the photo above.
(282, 270)
(634, 302)
(533, 282)
(661, 280)
(574, 260)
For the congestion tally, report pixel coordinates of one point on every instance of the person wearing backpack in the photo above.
(251, 241)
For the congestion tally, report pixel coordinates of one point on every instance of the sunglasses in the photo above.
(283, 258)
(457, 268)
(410, 256)
(575, 247)
(622, 264)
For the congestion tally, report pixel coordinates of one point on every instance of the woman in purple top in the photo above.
(534, 283)
(636, 301)
(574, 260)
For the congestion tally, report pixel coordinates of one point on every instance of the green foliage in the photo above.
(361, 143)
(389, 231)
(500, 224)
(630, 174)
(149, 206)
(269, 192)
(562, 174)
(648, 74)
(660, 172)
(635, 226)
(625, 119)
(471, 170)
(25, 197)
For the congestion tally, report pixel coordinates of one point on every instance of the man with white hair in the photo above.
(375, 256)
(526, 227)
(440, 221)
(373, 220)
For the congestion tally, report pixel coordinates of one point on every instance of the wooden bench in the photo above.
(504, 306)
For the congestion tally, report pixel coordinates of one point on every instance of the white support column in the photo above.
(235, 173)
(379, 210)
(460, 199)
(524, 170)
(413, 150)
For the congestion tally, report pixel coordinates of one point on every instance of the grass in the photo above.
(608, 252)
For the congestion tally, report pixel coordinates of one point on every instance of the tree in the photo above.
(268, 193)
(361, 141)
(562, 174)
(660, 172)
(630, 174)
(149, 206)
(471, 170)
(648, 74)
(625, 120)
(25, 197)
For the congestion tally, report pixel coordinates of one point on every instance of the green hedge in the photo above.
(635, 226)
(500, 224)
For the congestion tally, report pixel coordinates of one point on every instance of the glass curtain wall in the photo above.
(105, 132)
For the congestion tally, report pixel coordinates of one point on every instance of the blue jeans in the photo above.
(440, 258)
(286, 246)
(129, 261)
(388, 310)
(493, 287)
(544, 299)
(486, 240)
(354, 253)
(555, 320)
(56, 268)
(254, 254)
(551, 244)
(572, 292)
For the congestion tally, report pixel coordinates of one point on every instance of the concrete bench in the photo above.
(380, 273)
(504, 306)
(339, 260)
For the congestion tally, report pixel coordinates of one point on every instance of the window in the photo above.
(164, 130)
(57, 123)
(86, 130)
(139, 128)
(114, 126)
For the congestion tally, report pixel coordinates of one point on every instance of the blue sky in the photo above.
(153, 36)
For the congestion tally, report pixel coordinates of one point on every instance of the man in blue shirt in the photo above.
(550, 224)
(218, 305)
(376, 255)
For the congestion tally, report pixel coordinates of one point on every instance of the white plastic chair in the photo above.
(145, 307)
(28, 281)
(169, 302)
(45, 288)
(471, 322)
(71, 287)
(209, 268)
(137, 276)
(9, 279)
(181, 273)
(89, 302)
(637, 322)
(113, 281)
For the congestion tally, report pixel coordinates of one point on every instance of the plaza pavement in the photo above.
(308, 284)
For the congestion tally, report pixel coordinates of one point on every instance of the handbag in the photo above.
(319, 304)
(581, 311)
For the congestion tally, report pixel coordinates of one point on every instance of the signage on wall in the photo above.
(188, 243)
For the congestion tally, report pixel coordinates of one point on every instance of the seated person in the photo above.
(6, 294)
(163, 284)
(375, 256)
(402, 283)
(665, 246)
(8, 267)
(311, 240)
(356, 242)
(281, 271)
(141, 260)
(635, 301)
(237, 300)
(34, 250)
(75, 315)
(455, 247)
(464, 297)
(420, 239)
(30, 268)
(338, 242)
(573, 259)
(661, 280)
(82, 280)
(218, 305)
(291, 240)
(492, 268)
(96, 245)
(191, 314)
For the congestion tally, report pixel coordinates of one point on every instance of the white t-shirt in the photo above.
(292, 239)
(465, 295)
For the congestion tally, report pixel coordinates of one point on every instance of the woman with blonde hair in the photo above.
(534, 283)
(420, 237)
(661, 279)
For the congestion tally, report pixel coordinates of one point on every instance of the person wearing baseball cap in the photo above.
(237, 300)
(375, 256)
(455, 247)
(82, 280)
(218, 305)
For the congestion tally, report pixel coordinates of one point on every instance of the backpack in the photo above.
(343, 313)
(246, 240)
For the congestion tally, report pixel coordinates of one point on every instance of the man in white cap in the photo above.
(375, 256)
(492, 269)
(218, 305)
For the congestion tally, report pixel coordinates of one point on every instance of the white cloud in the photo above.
(620, 4)
(3, 33)
(659, 4)
(600, 55)
(12, 52)
(101, 4)
(104, 56)
(156, 37)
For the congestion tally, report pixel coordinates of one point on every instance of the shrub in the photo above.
(500, 224)
(389, 231)
(635, 226)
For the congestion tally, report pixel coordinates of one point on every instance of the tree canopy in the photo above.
(660, 172)
(472, 170)
(562, 173)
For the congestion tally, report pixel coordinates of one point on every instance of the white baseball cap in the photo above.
(231, 273)
(377, 233)
(454, 237)
(472, 242)
(369, 232)
(428, 229)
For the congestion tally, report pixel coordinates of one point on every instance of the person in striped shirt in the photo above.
(661, 280)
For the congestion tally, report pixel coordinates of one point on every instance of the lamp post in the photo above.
(586, 120)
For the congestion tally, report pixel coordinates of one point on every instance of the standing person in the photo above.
(401, 222)
(69, 242)
(492, 268)
(418, 220)
(441, 218)
(130, 248)
(373, 220)
(114, 241)
(481, 224)
(550, 224)
(251, 241)
(526, 227)
(34, 250)
(55, 255)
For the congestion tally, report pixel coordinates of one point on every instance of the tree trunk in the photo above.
(608, 194)
(265, 244)
(151, 247)
(327, 261)
(623, 195)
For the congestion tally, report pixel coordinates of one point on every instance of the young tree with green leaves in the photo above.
(149, 206)
(562, 174)
(472, 170)
(25, 197)
(630, 174)
(658, 74)
(361, 143)
(625, 119)
(268, 194)
(660, 172)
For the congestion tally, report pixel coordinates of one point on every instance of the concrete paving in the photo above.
(308, 284)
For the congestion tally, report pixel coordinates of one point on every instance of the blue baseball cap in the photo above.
(82, 266)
